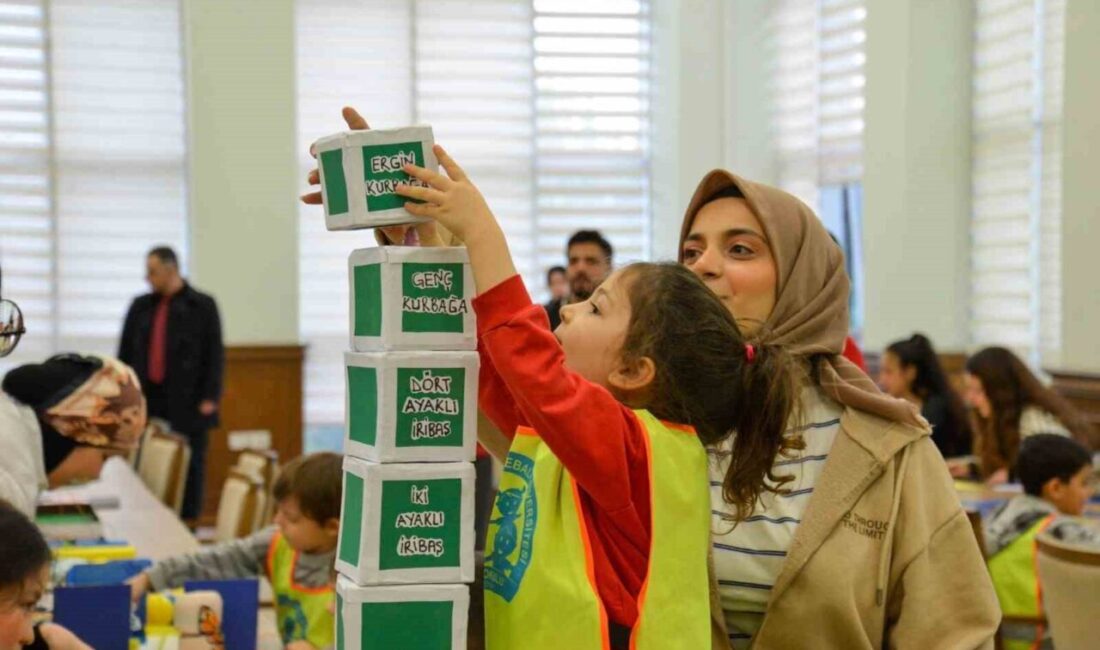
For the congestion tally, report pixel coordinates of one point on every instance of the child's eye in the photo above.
(595, 309)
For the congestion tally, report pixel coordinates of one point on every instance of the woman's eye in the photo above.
(740, 249)
(690, 255)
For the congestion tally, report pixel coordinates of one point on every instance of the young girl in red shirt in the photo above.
(649, 348)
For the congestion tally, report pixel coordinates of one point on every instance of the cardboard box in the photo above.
(359, 170)
(425, 617)
(406, 523)
(411, 298)
(409, 407)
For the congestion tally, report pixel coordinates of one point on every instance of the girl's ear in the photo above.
(634, 375)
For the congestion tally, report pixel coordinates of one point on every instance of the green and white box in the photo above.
(410, 407)
(407, 523)
(411, 298)
(424, 617)
(359, 170)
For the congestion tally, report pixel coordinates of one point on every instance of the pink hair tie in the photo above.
(750, 353)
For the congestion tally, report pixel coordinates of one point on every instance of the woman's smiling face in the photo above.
(728, 249)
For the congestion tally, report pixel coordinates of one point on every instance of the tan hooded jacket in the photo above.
(884, 555)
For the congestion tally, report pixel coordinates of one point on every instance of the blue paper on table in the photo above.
(240, 609)
(99, 616)
(108, 573)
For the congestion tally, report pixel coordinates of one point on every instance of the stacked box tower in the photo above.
(406, 550)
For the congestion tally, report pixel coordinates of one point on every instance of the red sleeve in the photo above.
(597, 438)
(854, 354)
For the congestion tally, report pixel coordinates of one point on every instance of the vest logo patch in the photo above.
(512, 530)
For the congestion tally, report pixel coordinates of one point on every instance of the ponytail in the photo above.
(767, 395)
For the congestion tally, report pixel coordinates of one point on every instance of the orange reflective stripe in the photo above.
(649, 553)
(1040, 629)
(527, 431)
(271, 555)
(590, 565)
(682, 428)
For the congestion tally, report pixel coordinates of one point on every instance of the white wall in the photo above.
(243, 167)
(916, 179)
(689, 109)
(1080, 198)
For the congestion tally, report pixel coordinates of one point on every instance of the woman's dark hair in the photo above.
(552, 270)
(23, 550)
(1044, 456)
(705, 378)
(1010, 387)
(953, 435)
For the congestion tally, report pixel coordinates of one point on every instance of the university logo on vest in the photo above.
(513, 527)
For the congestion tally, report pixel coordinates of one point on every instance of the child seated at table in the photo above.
(24, 572)
(1057, 476)
(297, 554)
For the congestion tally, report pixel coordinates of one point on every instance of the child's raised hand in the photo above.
(452, 200)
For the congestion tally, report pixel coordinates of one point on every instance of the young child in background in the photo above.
(24, 573)
(601, 529)
(297, 554)
(1057, 476)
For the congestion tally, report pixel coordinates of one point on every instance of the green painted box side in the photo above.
(382, 169)
(429, 304)
(421, 625)
(433, 415)
(420, 532)
(336, 186)
(368, 300)
(363, 404)
(351, 521)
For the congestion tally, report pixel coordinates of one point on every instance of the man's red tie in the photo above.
(158, 342)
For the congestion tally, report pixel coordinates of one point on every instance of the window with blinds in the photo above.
(817, 56)
(543, 103)
(92, 162)
(1015, 228)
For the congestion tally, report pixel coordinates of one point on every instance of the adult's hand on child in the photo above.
(139, 585)
(427, 235)
(355, 122)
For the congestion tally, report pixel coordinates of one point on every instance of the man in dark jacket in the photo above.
(173, 339)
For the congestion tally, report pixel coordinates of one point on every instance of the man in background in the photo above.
(173, 339)
(590, 258)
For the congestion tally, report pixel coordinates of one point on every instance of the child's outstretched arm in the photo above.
(596, 437)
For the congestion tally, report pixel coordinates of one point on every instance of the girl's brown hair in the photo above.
(1010, 387)
(705, 378)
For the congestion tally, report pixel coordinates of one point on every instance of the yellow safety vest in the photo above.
(1016, 581)
(303, 613)
(540, 584)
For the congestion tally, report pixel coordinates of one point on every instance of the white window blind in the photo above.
(26, 228)
(817, 54)
(94, 170)
(542, 103)
(1016, 175)
(592, 78)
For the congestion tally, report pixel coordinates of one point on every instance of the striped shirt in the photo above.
(749, 557)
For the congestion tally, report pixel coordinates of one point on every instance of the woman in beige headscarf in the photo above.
(865, 545)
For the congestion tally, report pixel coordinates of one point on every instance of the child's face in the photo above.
(1070, 497)
(894, 378)
(592, 332)
(17, 609)
(302, 532)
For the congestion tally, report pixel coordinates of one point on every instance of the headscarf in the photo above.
(810, 317)
(94, 401)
